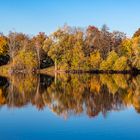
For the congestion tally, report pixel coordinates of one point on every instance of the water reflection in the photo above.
(72, 94)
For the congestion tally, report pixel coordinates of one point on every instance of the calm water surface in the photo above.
(70, 107)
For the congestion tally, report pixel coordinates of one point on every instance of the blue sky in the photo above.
(33, 16)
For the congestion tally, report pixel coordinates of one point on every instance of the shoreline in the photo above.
(131, 72)
(5, 71)
(106, 71)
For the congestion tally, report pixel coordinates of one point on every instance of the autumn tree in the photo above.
(131, 49)
(78, 58)
(26, 61)
(40, 43)
(16, 43)
(4, 57)
(137, 33)
(109, 62)
(102, 40)
(121, 64)
(91, 40)
(3, 45)
(95, 60)
(67, 48)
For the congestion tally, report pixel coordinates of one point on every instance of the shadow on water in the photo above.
(72, 94)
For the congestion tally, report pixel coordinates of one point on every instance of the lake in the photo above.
(43, 107)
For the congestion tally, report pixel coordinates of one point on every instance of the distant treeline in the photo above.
(71, 48)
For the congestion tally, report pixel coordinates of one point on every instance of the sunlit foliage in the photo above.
(26, 60)
(95, 60)
(73, 49)
(109, 62)
(3, 46)
(121, 64)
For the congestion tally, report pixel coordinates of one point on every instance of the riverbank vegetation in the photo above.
(71, 48)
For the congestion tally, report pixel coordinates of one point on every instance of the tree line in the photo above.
(71, 48)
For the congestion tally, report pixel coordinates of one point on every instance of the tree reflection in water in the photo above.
(72, 94)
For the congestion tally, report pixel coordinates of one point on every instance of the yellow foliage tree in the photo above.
(131, 49)
(121, 64)
(95, 60)
(26, 60)
(109, 62)
(3, 46)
